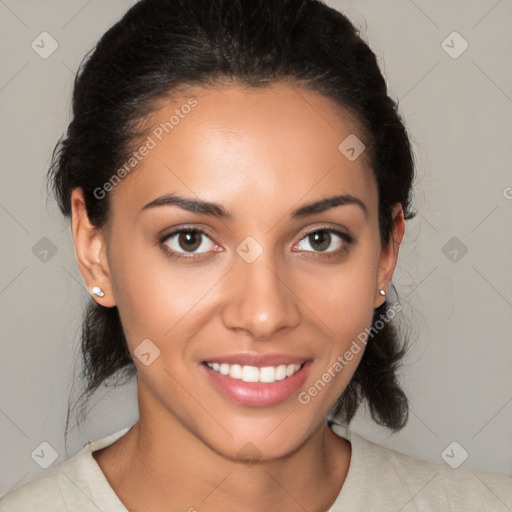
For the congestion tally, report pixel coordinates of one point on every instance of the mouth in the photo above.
(266, 374)
(260, 384)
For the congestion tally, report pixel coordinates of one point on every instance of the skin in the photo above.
(260, 153)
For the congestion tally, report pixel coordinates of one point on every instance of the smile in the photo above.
(266, 374)
(257, 386)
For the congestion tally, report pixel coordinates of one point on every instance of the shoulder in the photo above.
(75, 484)
(47, 491)
(385, 479)
(440, 485)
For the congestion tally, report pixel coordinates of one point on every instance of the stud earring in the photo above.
(96, 290)
(382, 292)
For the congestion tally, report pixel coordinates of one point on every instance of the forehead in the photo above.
(248, 148)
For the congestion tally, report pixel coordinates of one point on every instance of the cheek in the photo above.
(343, 308)
(156, 298)
(343, 297)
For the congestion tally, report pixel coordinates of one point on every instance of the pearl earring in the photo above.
(382, 292)
(96, 290)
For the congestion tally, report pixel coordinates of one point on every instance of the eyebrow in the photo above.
(217, 210)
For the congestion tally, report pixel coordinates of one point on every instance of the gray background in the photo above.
(459, 306)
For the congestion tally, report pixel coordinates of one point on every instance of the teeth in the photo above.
(290, 370)
(250, 374)
(281, 372)
(235, 371)
(253, 373)
(267, 374)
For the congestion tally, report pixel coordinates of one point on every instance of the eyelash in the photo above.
(348, 240)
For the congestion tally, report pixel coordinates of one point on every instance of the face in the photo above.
(245, 293)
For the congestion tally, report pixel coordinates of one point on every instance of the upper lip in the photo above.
(258, 360)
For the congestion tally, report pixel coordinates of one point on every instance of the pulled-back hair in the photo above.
(162, 46)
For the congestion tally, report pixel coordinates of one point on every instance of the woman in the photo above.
(238, 182)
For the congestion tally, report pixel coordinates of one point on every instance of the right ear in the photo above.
(90, 250)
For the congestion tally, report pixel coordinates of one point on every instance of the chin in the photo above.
(262, 439)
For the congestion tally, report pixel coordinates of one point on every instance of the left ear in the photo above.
(389, 254)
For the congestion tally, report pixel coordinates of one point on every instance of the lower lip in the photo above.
(258, 394)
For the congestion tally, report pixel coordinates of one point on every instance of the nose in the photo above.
(261, 299)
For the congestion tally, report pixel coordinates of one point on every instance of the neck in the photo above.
(161, 465)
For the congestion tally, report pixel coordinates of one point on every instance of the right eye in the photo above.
(188, 241)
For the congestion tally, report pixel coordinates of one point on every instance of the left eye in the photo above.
(323, 239)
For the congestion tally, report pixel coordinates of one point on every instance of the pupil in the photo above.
(188, 239)
(321, 238)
